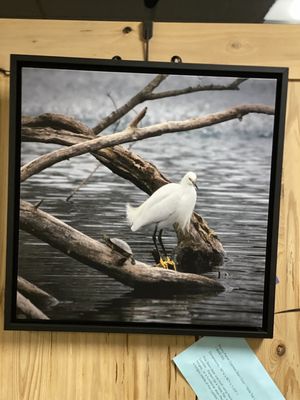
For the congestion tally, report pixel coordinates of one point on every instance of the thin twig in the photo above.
(36, 206)
(138, 98)
(198, 88)
(134, 123)
(117, 123)
(130, 146)
(112, 100)
(82, 183)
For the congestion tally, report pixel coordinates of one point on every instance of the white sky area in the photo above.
(87, 96)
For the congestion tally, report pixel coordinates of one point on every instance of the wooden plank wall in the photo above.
(76, 366)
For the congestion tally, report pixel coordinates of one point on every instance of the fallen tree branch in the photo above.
(51, 135)
(204, 245)
(28, 309)
(198, 88)
(138, 98)
(118, 159)
(133, 134)
(147, 94)
(35, 294)
(140, 276)
(83, 182)
(199, 249)
(57, 122)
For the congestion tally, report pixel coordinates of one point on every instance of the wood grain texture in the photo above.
(288, 265)
(69, 38)
(240, 44)
(281, 355)
(75, 366)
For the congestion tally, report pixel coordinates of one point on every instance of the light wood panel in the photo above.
(51, 366)
(74, 366)
(288, 269)
(281, 355)
(69, 38)
(241, 44)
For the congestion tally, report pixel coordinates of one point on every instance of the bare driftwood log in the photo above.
(147, 94)
(57, 122)
(132, 134)
(138, 98)
(35, 294)
(199, 249)
(139, 276)
(202, 248)
(28, 309)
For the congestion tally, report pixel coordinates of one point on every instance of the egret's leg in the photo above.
(154, 241)
(161, 243)
(168, 261)
(161, 261)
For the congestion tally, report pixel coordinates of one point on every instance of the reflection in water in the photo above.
(233, 178)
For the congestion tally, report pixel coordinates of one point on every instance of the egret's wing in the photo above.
(159, 206)
(186, 204)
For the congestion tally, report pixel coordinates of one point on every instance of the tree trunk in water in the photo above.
(28, 309)
(35, 294)
(199, 249)
(140, 276)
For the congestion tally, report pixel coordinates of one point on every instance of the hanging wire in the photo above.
(147, 35)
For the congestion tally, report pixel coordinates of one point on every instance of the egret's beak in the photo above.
(195, 185)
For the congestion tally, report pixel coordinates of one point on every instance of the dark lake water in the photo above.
(233, 180)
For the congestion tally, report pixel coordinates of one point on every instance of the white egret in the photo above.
(170, 204)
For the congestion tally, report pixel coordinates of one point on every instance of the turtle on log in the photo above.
(121, 247)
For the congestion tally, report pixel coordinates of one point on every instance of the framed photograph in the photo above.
(143, 196)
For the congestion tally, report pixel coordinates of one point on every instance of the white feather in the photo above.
(172, 203)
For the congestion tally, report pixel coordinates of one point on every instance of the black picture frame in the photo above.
(18, 63)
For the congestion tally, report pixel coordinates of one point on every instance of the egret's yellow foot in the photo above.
(165, 263)
(171, 262)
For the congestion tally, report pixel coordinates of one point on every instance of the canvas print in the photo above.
(144, 198)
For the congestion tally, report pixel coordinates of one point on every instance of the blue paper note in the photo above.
(226, 369)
